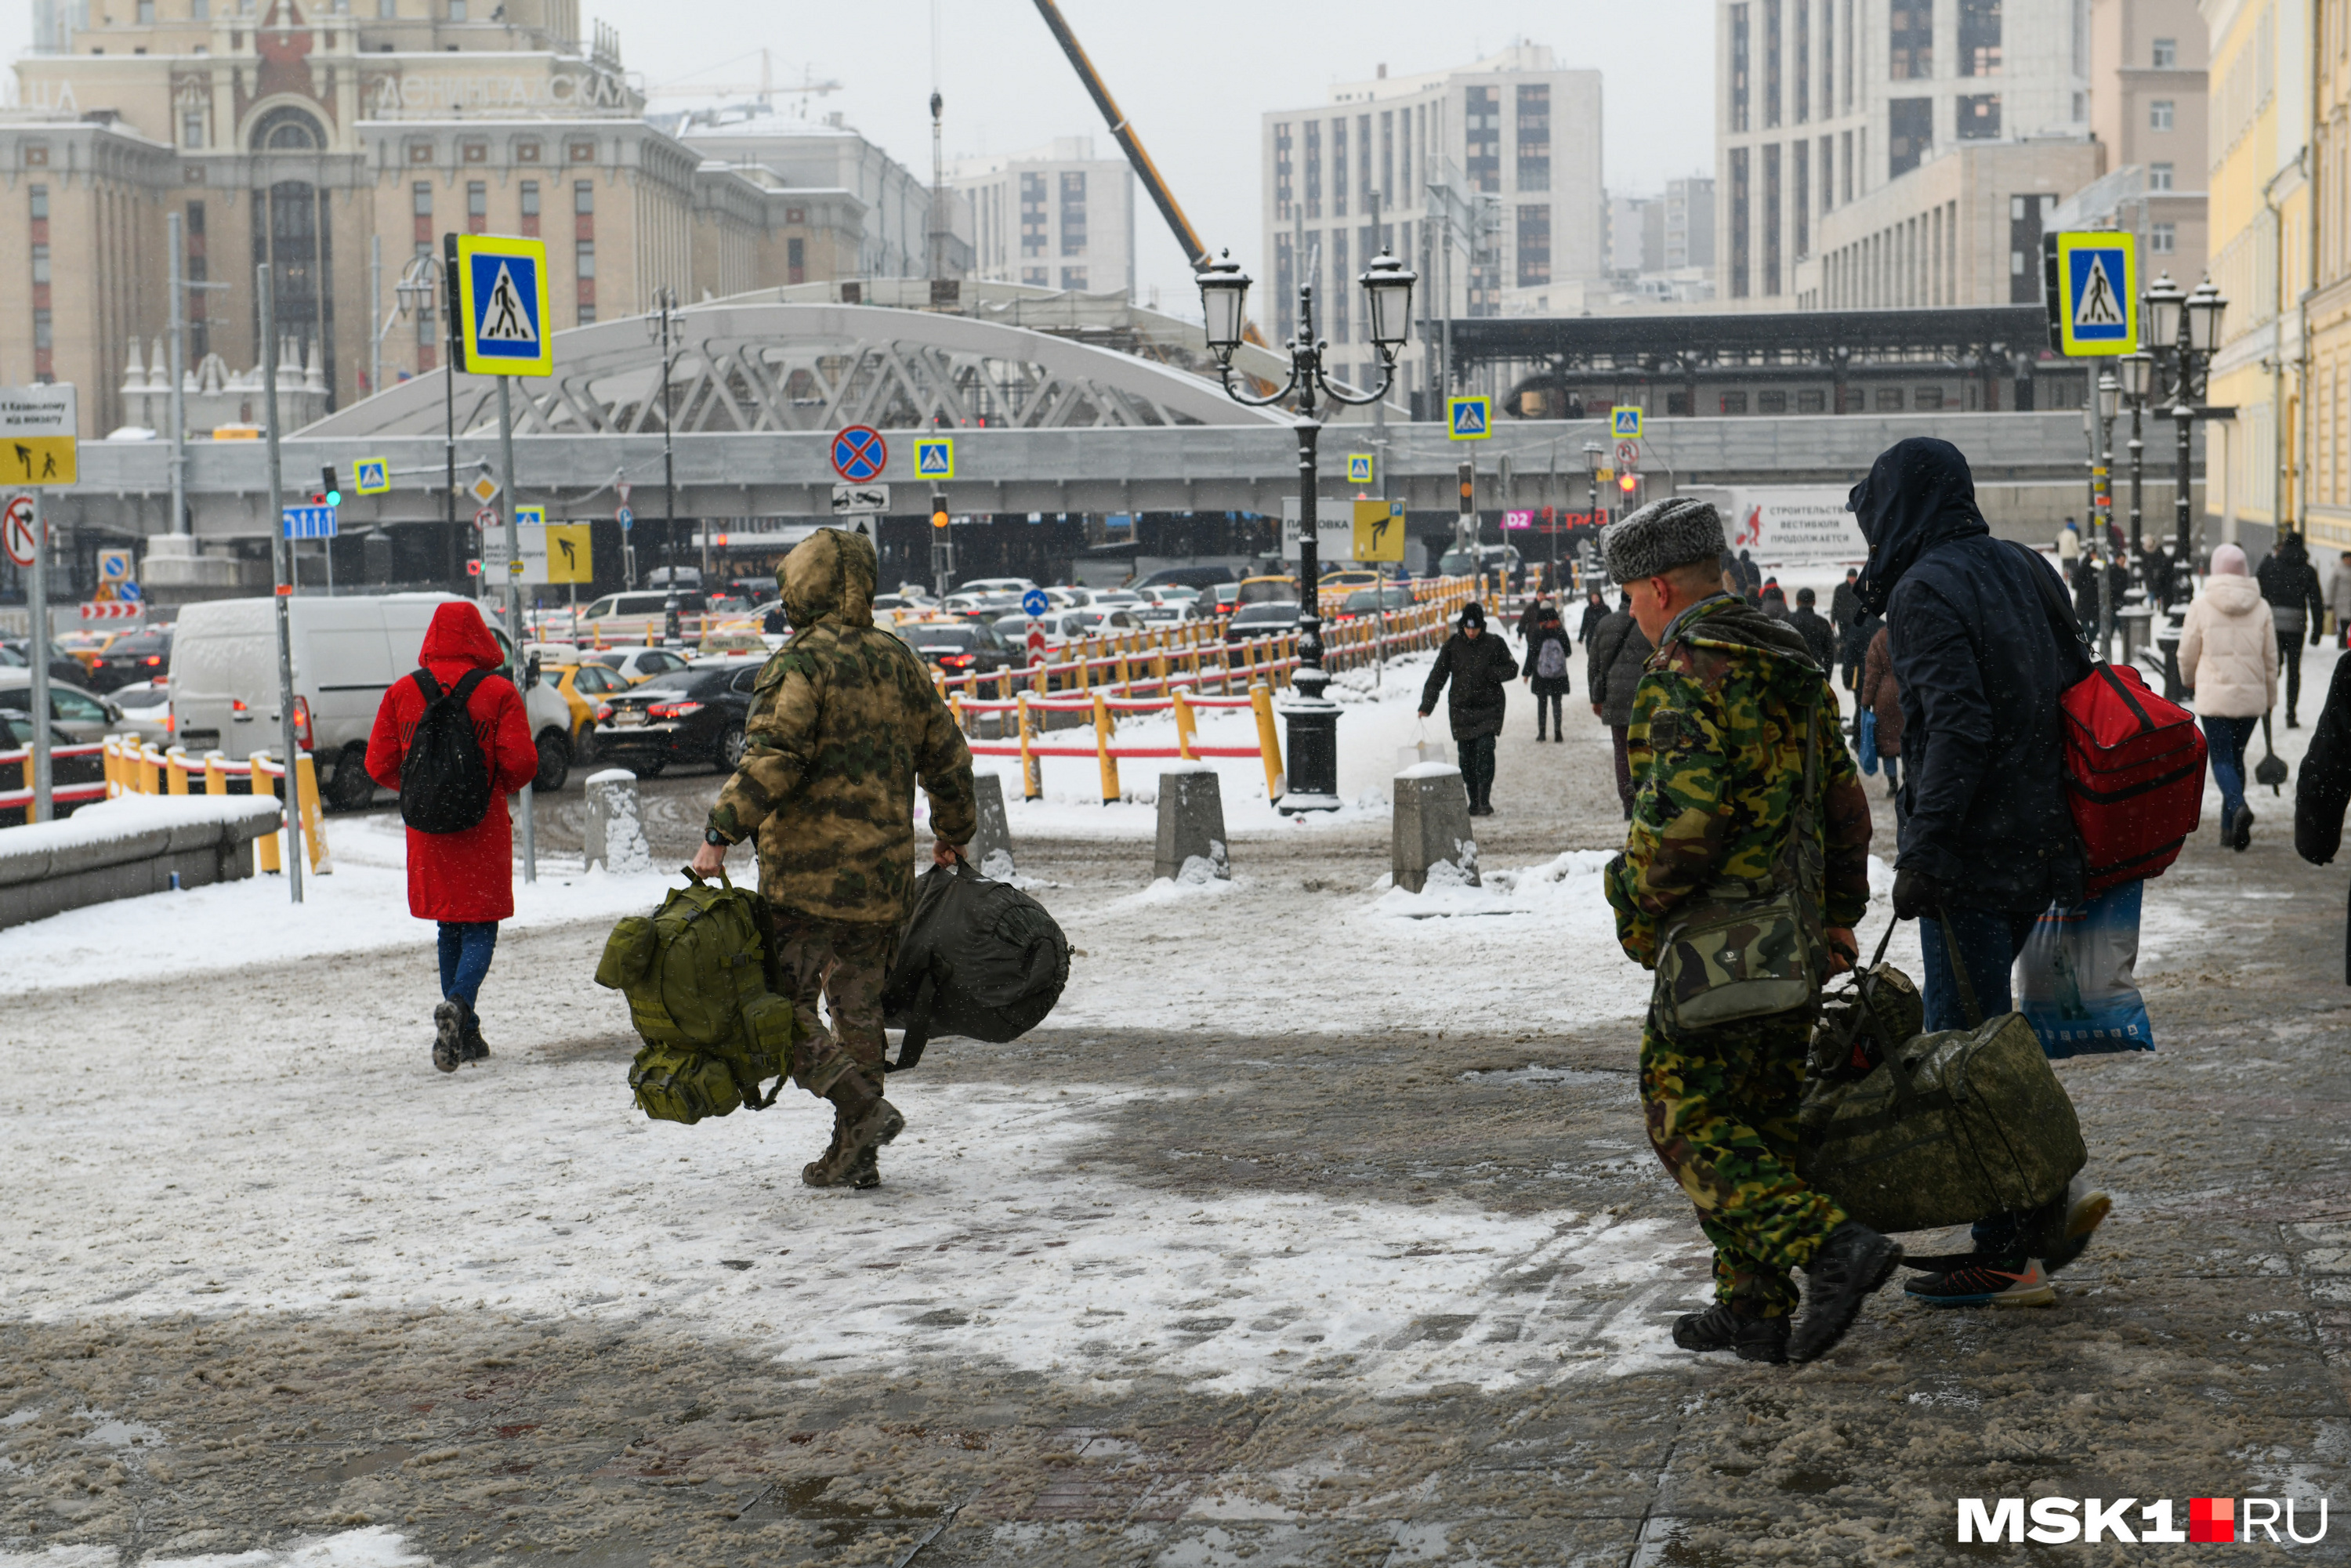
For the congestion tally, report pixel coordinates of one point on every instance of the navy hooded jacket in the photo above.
(1981, 664)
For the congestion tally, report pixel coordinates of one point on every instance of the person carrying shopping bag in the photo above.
(2229, 658)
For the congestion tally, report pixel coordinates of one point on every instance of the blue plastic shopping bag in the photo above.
(1865, 742)
(2075, 982)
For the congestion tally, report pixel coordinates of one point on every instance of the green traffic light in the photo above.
(334, 497)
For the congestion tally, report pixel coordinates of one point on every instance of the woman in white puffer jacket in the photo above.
(2229, 657)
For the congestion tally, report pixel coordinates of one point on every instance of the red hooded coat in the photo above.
(468, 875)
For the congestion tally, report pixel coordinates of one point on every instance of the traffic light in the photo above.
(1468, 472)
(1627, 481)
(939, 514)
(330, 493)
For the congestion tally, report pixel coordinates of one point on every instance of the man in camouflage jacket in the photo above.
(1725, 713)
(844, 719)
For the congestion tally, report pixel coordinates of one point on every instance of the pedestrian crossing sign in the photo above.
(1625, 422)
(1359, 467)
(2092, 290)
(934, 457)
(502, 288)
(1468, 418)
(371, 476)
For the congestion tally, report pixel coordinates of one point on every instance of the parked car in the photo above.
(142, 656)
(348, 650)
(1485, 558)
(1070, 598)
(1203, 579)
(81, 712)
(1016, 586)
(63, 667)
(1267, 591)
(1371, 600)
(1116, 599)
(1252, 621)
(693, 714)
(146, 710)
(959, 647)
(634, 664)
(16, 735)
(584, 688)
(1169, 612)
(628, 616)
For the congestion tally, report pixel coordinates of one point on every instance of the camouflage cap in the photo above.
(1661, 536)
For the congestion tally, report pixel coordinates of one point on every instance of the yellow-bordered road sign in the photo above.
(934, 457)
(1359, 468)
(38, 429)
(1468, 418)
(1624, 421)
(2096, 300)
(1379, 531)
(571, 557)
(502, 298)
(371, 475)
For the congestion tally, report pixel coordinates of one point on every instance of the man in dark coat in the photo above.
(1479, 666)
(1615, 655)
(1596, 611)
(1844, 605)
(2297, 606)
(1818, 634)
(1531, 616)
(1987, 840)
(2155, 563)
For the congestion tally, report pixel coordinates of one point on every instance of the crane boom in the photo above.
(1129, 143)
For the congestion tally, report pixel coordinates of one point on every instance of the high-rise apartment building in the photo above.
(1485, 178)
(1055, 216)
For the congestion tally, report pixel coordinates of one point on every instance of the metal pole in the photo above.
(375, 314)
(281, 550)
(178, 316)
(2138, 463)
(669, 482)
(514, 599)
(36, 599)
(449, 397)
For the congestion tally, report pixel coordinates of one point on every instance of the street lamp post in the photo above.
(2182, 332)
(661, 326)
(1595, 458)
(2110, 402)
(1312, 719)
(419, 281)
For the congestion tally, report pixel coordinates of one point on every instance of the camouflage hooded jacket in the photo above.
(844, 718)
(1717, 745)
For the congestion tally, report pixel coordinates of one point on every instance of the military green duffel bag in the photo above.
(695, 972)
(1946, 1128)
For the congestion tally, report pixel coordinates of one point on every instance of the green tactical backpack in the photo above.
(697, 977)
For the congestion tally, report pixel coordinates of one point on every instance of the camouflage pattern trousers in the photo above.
(846, 963)
(1721, 1107)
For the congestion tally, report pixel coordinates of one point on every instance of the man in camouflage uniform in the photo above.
(844, 719)
(1722, 719)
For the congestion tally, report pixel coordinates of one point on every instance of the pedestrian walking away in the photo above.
(1745, 784)
(843, 722)
(2154, 567)
(1613, 657)
(2290, 583)
(1845, 604)
(2228, 655)
(1986, 839)
(1531, 616)
(1546, 673)
(2338, 601)
(1596, 611)
(1852, 648)
(1820, 637)
(454, 739)
(2322, 785)
(1881, 695)
(1481, 668)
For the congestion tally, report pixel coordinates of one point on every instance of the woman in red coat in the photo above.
(465, 880)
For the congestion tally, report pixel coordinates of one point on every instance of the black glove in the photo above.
(1915, 894)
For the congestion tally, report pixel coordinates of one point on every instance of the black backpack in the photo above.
(445, 779)
(977, 957)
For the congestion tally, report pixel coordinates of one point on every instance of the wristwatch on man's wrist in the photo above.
(712, 836)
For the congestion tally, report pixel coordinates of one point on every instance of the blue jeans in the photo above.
(2224, 742)
(465, 949)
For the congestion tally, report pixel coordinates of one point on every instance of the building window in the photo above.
(1980, 116)
(146, 12)
(2163, 239)
(420, 193)
(1285, 289)
(1979, 37)
(40, 264)
(1338, 167)
(456, 10)
(2166, 54)
(1314, 168)
(1534, 137)
(1534, 245)
(191, 128)
(1910, 40)
(1771, 63)
(1845, 168)
(1909, 132)
(796, 261)
(1678, 405)
(201, 11)
(1282, 171)
(1073, 213)
(43, 338)
(583, 198)
(530, 209)
(2027, 217)
(2159, 114)
(1482, 143)
(1890, 400)
(1740, 47)
(1812, 402)
(1799, 197)
(1073, 278)
(478, 207)
(1740, 204)
(1770, 284)
(1734, 403)
(585, 255)
(1335, 305)
(1032, 216)
(1803, 47)
(1771, 402)
(1036, 277)
(1927, 399)
(289, 129)
(2158, 176)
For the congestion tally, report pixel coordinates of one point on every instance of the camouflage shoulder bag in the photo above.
(1747, 949)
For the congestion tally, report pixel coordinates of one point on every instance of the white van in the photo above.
(348, 650)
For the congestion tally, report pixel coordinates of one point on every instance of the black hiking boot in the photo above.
(862, 1121)
(448, 1035)
(1722, 1327)
(1854, 1261)
(474, 1047)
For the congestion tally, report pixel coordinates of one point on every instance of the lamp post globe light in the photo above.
(1311, 719)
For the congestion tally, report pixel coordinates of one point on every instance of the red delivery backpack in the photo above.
(2134, 765)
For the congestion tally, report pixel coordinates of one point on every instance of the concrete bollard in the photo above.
(1431, 826)
(1191, 826)
(616, 829)
(992, 847)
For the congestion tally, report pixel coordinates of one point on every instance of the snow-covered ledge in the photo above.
(126, 847)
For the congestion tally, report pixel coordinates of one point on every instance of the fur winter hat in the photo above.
(1662, 536)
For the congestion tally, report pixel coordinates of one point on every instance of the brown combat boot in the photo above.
(862, 1121)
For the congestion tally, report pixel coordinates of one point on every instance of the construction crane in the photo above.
(1129, 143)
(765, 87)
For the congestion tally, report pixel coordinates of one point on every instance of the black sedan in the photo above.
(16, 735)
(1254, 621)
(145, 656)
(693, 714)
(959, 648)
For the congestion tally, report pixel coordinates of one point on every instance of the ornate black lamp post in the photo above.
(2183, 330)
(1312, 719)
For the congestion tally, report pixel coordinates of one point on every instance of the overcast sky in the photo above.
(1193, 75)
